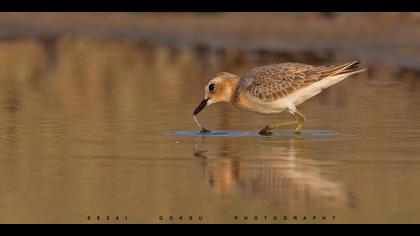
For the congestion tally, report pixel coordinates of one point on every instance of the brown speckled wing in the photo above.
(269, 83)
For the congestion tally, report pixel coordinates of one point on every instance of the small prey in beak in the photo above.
(199, 108)
(202, 129)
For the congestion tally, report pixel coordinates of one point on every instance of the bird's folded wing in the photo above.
(269, 83)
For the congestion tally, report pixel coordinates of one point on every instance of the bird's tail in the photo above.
(330, 75)
(347, 69)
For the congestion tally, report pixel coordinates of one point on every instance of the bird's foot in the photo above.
(298, 127)
(265, 131)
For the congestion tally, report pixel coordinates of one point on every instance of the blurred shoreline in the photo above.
(391, 39)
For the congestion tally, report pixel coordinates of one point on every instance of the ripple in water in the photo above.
(233, 133)
(227, 133)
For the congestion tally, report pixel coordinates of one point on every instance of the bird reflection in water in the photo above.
(275, 171)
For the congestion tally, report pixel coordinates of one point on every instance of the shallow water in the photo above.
(100, 128)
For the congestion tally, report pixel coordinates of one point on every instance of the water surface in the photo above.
(104, 128)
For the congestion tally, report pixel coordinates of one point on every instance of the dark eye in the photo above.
(212, 87)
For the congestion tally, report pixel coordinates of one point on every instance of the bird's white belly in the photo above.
(256, 105)
(277, 106)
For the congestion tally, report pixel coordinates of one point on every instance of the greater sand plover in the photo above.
(274, 89)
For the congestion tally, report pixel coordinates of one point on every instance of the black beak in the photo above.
(201, 106)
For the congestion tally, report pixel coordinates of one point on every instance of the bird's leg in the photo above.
(267, 129)
(299, 119)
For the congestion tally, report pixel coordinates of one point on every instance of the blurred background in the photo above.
(96, 109)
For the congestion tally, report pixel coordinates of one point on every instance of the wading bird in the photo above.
(274, 88)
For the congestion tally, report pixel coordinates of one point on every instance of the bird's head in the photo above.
(218, 89)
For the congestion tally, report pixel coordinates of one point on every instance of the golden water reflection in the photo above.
(276, 172)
